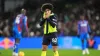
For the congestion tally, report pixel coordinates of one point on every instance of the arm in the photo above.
(52, 21)
(42, 21)
(89, 30)
(17, 20)
(25, 24)
(78, 29)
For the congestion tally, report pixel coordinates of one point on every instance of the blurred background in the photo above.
(67, 12)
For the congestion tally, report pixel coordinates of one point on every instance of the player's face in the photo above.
(24, 12)
(47, 11)
(82, 17)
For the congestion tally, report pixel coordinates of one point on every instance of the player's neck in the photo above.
(82, 20)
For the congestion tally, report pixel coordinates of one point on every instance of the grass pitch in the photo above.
(62, 52)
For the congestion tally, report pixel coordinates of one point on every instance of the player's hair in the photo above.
(81, 13)
(23, 10)
(47, 6)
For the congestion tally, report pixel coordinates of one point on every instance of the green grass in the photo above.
(62, 52)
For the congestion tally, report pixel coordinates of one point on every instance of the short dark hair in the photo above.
(23, 10)
(82, 14)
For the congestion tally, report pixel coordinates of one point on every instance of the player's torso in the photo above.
(84, 26)
(19, 22)
(48, 27)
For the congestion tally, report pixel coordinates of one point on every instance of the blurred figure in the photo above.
(49, 23)
(32, 34)
(38, 33)
(6, 31)
(83, 33)
(20, 23)
(91, 42)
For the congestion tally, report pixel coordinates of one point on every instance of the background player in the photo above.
(49, 23)
(83, 32)
(20, 23)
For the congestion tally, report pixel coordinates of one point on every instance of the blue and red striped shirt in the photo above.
(83, 26)
(20, 22)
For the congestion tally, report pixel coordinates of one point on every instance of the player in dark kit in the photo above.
(49, 23)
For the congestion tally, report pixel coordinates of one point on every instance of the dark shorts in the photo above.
(50, 39)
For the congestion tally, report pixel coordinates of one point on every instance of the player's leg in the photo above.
(55, 49)
(54, 42)
(16, 47)
(83, 46)
(45, 44)
(17, 41)
(44, 49)
(82, 42)
(86, 47)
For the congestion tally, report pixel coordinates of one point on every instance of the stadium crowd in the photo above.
(67, 19)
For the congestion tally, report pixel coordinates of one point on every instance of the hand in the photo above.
(45, 16)
(78, 36)
(90, 33)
